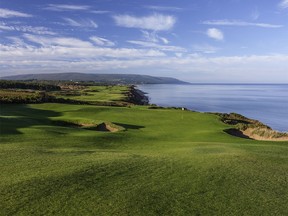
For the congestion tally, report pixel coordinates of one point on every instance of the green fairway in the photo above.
(165, 162)
(107, 93)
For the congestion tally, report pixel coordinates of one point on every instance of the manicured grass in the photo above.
(167, 162)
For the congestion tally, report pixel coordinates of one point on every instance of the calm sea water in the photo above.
(264, 102)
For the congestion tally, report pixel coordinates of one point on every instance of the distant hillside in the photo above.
(99, 78)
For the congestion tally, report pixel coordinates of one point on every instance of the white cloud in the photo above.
(255, 14)
(35, 30)
(88, 23)
(6, 13)
(101, 41)
(150, 36)
(3, 26)
(204, 48)
(154, 37)
(99, 12)
(156, 22)
(163, 8)
(239, 23)
(164, 40)
(215, 34)
(59, 54)
(153, 40)
(27, 29)
(72, 22)
(67, 7)
(58, 41)
(17, 41)
(283, 4)
(70, 49)
(158, 46)
(194, 68)
(179, 55)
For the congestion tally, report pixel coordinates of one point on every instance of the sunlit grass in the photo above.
(107, 93)
(166, 162)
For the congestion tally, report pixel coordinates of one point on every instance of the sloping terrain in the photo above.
(165, 162)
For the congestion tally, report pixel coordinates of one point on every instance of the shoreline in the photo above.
(244, 127)
(136, 96)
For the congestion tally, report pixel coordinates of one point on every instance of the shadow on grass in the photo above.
(237, 133)
(13, 117)
(129, 126)
(100, 127)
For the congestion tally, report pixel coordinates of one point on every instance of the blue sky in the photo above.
(197, 41)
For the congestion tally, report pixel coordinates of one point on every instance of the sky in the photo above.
(208, 41)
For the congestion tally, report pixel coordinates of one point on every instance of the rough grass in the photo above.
(95, 93)
(19, 96)
(166, 162)
(249, 128)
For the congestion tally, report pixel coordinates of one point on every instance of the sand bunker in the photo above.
(108, 127)
(250, 128)
(265, 134)
(104, 126)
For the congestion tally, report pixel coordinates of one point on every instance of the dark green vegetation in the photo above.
(7, 84)
(99, 78)
(58, 159)
(70, 92)
(26, 92)
(20, 96)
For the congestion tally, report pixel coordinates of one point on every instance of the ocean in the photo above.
(267, 103)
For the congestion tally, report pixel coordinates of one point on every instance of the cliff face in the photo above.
(137, 96)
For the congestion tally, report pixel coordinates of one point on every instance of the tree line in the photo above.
(7, 84)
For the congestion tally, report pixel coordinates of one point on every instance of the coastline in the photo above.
(242, 126)
(266, 103)
(136, 96)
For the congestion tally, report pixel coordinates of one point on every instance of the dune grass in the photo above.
(166, 162)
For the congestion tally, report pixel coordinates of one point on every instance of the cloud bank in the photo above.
(60, 54)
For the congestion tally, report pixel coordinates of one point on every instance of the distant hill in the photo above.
(99, 78)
